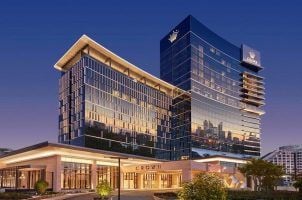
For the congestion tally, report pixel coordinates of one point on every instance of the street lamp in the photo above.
(119, 174)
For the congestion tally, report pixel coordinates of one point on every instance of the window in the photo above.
(76, 175)
(107, 173)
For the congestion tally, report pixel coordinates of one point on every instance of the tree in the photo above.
(265, 175)
(103, 189)
(272, 176)
(298, 185)
(41, 186)
(204, 187)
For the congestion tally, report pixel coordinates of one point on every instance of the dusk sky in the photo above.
(35, 34)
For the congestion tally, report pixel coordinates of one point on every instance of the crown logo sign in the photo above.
(173, 36)
(252, 54)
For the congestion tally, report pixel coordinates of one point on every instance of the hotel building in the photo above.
(220, 112)
(290, 158)
(108, 103)
(204, 115)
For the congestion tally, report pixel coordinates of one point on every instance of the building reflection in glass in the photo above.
(106, 109)
(222, 113)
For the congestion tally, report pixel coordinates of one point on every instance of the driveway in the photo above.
(135, 195)
(125, 195)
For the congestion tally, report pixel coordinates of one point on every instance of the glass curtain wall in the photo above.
(105, 109)
(107, 173)
(76, 176)
(23, 177)
(125, 115)
(8, 178)
(209, 68)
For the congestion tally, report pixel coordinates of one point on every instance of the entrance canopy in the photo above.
(71, 153)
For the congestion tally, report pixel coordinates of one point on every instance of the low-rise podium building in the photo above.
(67, 167)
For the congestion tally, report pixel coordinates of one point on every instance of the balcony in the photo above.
(252, 76)
(246, 88)
(252, 90)
(253, 102)
(252, 109)
(253, 95)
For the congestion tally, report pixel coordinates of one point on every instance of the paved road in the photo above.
(125, 195)
(136, 195)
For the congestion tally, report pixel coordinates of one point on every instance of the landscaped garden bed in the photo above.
(14, 195)
(31, 195)
(242, 195)
(272, 195)
(165, 196)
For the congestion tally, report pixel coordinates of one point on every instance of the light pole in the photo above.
(119, 175)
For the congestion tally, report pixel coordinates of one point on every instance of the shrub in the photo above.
(204, 187)
(103, 189)
(298, 185)
(41, 186)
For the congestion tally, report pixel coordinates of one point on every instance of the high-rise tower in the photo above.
(108, 103)
(220, 113)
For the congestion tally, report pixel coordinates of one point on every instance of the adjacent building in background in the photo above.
(4, 151)
(219, 114)
(290, 158)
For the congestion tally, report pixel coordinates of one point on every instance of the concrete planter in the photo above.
(98, 198)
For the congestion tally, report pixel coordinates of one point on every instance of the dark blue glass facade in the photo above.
(220, 112)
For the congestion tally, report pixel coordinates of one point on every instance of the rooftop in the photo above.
(90, 47)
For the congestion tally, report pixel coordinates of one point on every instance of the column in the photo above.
(186, 175)
(57, 175)
(94, 181)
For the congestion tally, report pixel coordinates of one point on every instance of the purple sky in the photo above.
(34, 34)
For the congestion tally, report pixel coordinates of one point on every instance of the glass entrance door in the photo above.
(130, 180)
(149, 180)
(166, 180)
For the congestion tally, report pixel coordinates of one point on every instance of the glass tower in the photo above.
(107, 103)
(219, 114)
